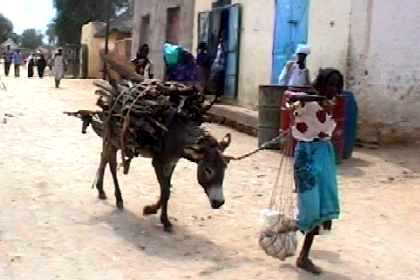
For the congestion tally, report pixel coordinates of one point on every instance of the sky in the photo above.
(26, 14)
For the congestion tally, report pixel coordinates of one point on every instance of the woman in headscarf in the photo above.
(142, 63)
(41, 64)
(31, 65)
(204, 64)
(58, 67)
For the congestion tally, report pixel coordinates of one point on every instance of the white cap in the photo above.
(302, 48)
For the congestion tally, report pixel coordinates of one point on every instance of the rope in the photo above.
(282, 196)
(264, 146)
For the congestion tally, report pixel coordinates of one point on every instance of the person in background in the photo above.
(185, 71)
(216, 82)
(59, 65)
(31, 65)
(204, 64)
(295, 73)
(142, 63)
(17, 61)
(8, 58)
(41, 64)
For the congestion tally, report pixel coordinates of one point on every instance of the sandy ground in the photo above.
(53, 227)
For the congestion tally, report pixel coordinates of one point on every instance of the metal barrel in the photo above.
(269, 103)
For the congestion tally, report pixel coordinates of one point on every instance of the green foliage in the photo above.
(52, 37)
(16, 38)
(6, 28)
(73, 14)
(31, 39)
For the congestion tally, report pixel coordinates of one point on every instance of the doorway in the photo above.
(291, 29)
(223, 23)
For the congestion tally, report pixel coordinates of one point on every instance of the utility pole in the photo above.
(108, 19)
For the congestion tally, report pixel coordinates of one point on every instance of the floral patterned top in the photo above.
(312, 122)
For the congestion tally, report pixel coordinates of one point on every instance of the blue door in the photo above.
(291, 29)
(232, 51)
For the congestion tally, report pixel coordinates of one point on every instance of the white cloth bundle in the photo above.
(278, 235)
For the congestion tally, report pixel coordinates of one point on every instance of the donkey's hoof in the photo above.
(149, 210)
(167, 225)
(168, 228)
(102, 196)
(120, 204)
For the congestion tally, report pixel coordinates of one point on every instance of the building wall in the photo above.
(256, 50)
(255, 60)
(384, 68)
(329, 34)
(94, 45)
(157, 10)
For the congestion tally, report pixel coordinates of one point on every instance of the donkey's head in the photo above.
(208, 154)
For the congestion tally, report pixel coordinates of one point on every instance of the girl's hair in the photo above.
(324, 77)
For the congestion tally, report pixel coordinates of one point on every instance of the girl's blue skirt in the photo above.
(316, 184)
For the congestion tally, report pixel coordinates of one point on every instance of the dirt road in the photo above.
(53, 227)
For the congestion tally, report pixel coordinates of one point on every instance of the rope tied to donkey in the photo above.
(264, 146)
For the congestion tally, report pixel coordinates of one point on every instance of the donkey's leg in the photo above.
(100, 174)
(152, 209)
(113, 168)
(164, 171)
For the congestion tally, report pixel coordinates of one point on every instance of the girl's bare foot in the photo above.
(307, 265)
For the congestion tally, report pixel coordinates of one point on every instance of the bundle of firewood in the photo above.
(135, 113)
(138, 113)
(148, 106)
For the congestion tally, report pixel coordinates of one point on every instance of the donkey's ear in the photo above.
(193, 154)
(225, 142)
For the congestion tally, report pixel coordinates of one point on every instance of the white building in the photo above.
(376, 44)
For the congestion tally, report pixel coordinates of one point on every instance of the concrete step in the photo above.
(241, 119)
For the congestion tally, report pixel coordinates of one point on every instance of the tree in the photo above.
(52, 37)
(31, 39)
(16, 38)
(6, 28)
(73, 14)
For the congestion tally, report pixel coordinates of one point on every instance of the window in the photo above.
(173, 26)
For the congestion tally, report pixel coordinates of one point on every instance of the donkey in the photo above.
(184, 139)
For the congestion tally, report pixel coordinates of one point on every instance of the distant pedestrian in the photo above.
(31, 65)
(17, 61)
(216, 84)
(142, 63)
(59, 65)
(8, 58)
(41, 64)
(204, 64)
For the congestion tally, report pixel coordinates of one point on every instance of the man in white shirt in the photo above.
(295, 73)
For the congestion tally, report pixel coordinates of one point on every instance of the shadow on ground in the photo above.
(147, 235)
(303, 275)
